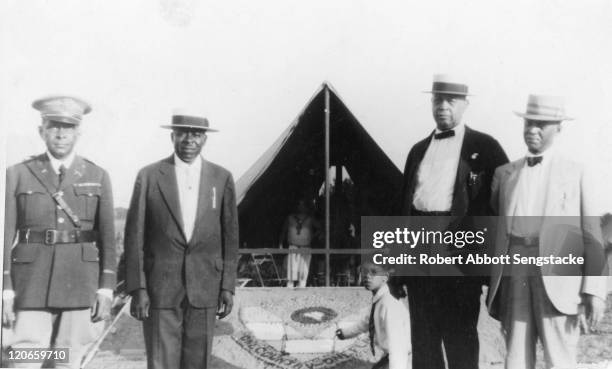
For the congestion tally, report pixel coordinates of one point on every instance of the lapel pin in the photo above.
(474, 156)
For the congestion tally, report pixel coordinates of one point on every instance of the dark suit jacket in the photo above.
(160, 259)
(480, 155)
(62, 275)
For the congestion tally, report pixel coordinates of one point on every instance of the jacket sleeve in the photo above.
(10, 224)
(135, 236)
(357, 327)
(399, 203)
(106, 231)
(498, 158)
(594, 282)
(230, 236)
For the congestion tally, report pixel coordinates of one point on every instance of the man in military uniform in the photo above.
(59, 248)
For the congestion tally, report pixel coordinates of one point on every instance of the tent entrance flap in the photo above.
(294, 167)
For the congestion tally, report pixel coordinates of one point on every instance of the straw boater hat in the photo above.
(185, 119)
(62, 108)
(545, 108)
(449, 85)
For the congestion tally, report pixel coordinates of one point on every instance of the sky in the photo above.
(251, 66)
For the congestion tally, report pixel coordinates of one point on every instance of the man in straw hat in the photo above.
(448, 174)
(547, 206)
(59, 241)
(181, 245)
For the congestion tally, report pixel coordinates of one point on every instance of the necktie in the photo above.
(372, 329)
(444, 134)
(62, 173)
(534, 160)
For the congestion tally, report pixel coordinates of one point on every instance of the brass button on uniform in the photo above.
(60, 220)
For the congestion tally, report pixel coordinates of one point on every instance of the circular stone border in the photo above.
(299, 315)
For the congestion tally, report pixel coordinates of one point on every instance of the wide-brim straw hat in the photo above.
(544, 108)
(185, 119)
(448, 85)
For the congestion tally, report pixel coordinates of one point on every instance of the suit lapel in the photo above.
(556, 177)
(205, 195)
(459, 204)
(169, 190)
(42, 170)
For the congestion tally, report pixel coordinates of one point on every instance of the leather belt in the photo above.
(54, 236)
(524, 241)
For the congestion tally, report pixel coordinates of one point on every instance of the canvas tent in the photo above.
(294, 166)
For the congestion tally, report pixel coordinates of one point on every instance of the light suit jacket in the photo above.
(569, 226)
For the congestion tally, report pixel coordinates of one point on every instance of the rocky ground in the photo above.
(124, 347)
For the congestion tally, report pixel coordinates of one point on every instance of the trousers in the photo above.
(444, 313)
(56, 328)
(527, 314)
(179, 337)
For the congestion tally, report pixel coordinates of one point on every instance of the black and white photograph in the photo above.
(194, 184)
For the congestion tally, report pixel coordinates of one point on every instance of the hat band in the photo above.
(449, 88)
(187, 120)
(552, 111)
(63, 118)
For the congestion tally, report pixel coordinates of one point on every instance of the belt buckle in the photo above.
(50, 236)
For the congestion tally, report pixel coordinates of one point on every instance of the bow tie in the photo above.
(534, 160)
(444, 134)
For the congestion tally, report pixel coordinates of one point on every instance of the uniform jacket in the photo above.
(160, 259)
(391, 326)
(568, 227)
(60, 275)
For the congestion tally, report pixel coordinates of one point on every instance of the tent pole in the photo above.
(327, 164)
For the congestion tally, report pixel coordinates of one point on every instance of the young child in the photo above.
(388, 323)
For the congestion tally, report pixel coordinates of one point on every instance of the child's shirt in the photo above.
(391, 327)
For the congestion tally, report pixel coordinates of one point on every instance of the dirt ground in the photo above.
(124, 346)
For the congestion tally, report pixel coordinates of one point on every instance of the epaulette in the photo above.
(29, 158)
(90, 162)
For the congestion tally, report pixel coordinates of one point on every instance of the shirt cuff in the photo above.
(107, 292)
(8, 294)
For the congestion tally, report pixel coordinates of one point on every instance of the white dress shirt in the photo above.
(57, 163)
(531, 191)
(188, 184)
(438, 172)
(391, 327)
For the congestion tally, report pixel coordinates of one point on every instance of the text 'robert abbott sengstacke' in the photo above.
(446, 246)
